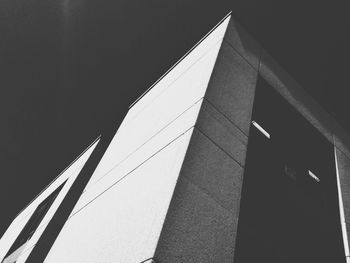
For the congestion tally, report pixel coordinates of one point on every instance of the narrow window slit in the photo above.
(263, 131)
(314, 176)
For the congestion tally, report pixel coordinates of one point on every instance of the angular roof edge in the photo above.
(177, 62)
(53, 180)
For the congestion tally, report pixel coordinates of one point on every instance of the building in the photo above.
(224, 159)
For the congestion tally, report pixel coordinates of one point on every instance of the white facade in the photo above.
(69, 175)
(119, 216)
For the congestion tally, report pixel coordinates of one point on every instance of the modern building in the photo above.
(224, 159)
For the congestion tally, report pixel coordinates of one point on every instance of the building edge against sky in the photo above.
(168, 185)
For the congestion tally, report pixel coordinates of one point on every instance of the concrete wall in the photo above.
(201, 223)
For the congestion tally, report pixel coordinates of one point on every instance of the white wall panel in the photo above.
(24, 256)
(120, 214)
(17, 225)
(204, 45)
(181, 124)
(10, 236)
(124, 223)
(14, 255)
(139, 127)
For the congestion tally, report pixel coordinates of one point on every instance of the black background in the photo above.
(70, 67)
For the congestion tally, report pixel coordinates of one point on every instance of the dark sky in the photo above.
(68, 68)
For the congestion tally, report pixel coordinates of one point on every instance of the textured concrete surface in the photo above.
(197, 229)
(341, 139)
(202, 218)
(243, 43)
(344, 176)
(213, 171)
(280, 80)
(222, 132)
(348, 231)
(232, 86)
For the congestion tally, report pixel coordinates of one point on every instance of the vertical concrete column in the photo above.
(343, 179)
(201, 223)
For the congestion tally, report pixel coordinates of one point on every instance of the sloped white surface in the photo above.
(176, 92)
(24, 256)
(121, 212)
(180, 125)
(120, 215)
(202, 48)
(123, 225)
(17, 225)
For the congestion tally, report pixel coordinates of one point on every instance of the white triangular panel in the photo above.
(120, 215)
